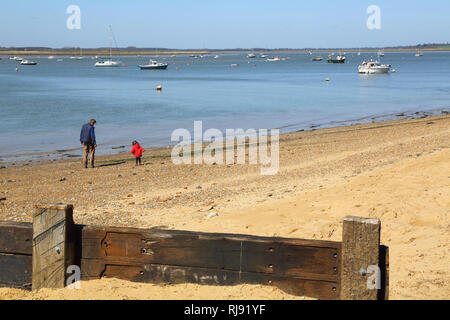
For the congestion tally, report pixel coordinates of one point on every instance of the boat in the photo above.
(18, 59)
(108, 62)
(216, 57)
(263, 56)
(419, 54)
(373, 67)
(51, 57)
(80, 57)
(338, 59)
(274, 59)
(251, 56)
(318, 58)
(380, 54)
(28, 63)
(154, 65)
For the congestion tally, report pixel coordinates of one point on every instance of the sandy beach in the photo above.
(397, 171)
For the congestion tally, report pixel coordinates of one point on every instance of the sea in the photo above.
(43, 107)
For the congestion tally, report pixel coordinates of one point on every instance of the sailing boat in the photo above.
(108, 62)
(80, 57)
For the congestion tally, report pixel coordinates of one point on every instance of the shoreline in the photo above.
(34, 158)
(94, 52)
(397, 171)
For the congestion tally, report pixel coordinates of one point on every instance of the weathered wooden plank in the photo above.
(15, 271)
(159, 274)
(315, 259)
(160, 233)
(16, 237)
(53, 245)
(360, 251)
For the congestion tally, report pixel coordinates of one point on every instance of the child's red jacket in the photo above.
(137, 150)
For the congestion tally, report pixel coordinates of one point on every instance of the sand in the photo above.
(397, 171)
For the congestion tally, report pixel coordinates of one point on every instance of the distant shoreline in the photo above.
(96, 52)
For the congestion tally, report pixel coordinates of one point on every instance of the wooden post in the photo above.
(53, 245)
(360, 259)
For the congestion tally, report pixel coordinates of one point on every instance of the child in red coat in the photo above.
(137, 150)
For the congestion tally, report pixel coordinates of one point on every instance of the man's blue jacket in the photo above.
(87, 134)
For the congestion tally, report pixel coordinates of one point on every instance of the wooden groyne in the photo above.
(42, 254)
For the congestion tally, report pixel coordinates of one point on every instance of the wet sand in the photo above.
(397, 171)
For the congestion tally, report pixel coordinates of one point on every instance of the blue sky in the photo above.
(224, 24)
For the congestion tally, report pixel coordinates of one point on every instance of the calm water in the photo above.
(44, 106)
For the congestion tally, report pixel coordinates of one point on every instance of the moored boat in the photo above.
(28, 63)
(373, 67)
(108, 64)
(337, 59)
(318, 58)
(154, 65)
(274, 59)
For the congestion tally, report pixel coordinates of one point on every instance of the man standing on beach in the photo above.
(87, 139)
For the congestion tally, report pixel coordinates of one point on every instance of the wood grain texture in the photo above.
(15, 271)
(360, 249)
(304, 258)
(15, 238)
(53, 246)
(166, 274)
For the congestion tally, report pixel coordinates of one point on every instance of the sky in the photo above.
(224, 24)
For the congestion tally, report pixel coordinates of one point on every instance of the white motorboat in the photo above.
(251, 56)
(263, 56)
(274, 59)
(216, 57)
(373, 67)
(154, 65)
(419, 54)
(18, 59)
(381, 54)
(28, 63)
(51, 57)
